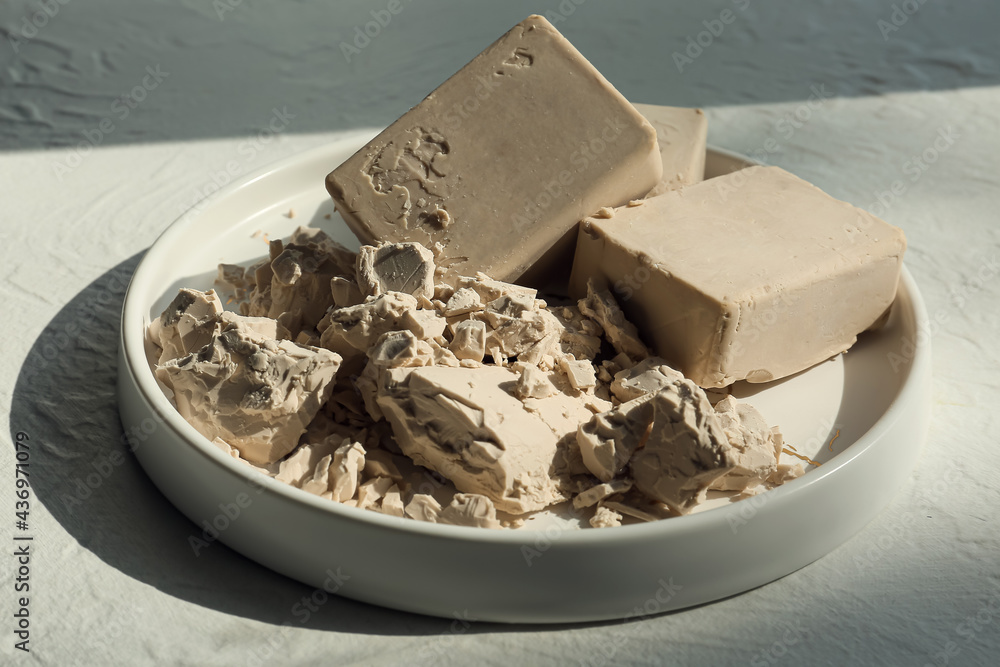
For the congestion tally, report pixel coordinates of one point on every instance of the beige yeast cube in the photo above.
(502, 160)
(753, 276)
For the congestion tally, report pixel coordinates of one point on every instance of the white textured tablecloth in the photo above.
(117, 116)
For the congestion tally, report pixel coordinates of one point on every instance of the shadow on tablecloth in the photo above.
(65, 401)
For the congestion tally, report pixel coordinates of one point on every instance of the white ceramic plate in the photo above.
(876, 397)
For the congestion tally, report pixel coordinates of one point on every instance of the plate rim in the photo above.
(132, 341)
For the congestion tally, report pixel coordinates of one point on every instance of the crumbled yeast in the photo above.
(418, 393)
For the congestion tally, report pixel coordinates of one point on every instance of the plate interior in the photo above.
(821, 411)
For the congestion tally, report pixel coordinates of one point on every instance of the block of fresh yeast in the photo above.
(681, 134)
(500, 163)
(753, 276)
